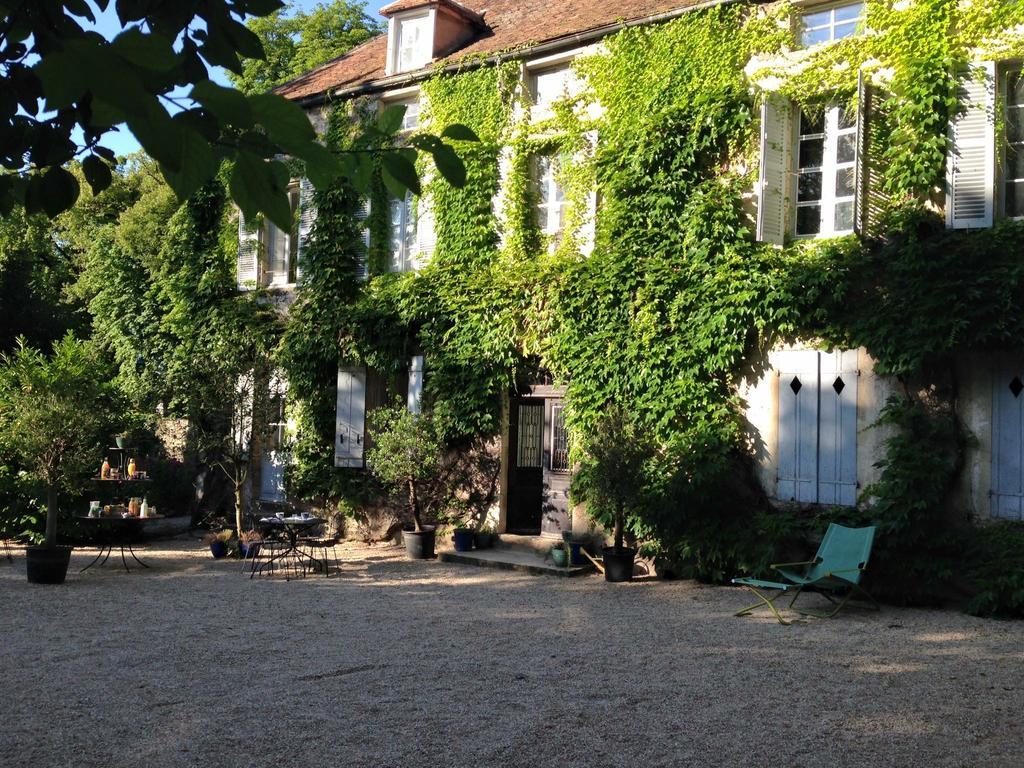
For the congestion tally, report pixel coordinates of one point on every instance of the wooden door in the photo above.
(1008, 443)
(526, 465)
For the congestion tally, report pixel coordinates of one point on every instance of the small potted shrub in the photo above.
(611, 479)
(249, 543)
(405, 456)
(218, 541)
(559, 555)
(484, 538)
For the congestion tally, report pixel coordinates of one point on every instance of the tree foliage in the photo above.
(296, 41)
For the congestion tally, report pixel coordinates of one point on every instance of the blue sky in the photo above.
(121, 141)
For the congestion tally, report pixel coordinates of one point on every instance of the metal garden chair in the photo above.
(835, 573)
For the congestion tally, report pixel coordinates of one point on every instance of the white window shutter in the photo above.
(247, 263)
(837, 429)
(241, 419)
(426, 237)
(797, 452)
(363, 217)
(350, 418)
(861, 170)
(971, 163)
(415, 397)
(1007, 484)
(774, 183)
(307, 217)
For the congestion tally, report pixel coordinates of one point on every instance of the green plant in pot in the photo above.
(405, 457)
(54, 414)
(610, 479)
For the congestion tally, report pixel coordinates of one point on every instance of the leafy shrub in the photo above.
(997, 573)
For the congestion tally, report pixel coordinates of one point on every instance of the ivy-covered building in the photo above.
(786, 235)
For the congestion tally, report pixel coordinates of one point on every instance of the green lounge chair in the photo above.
(834, 573)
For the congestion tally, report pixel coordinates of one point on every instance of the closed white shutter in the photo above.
(773, 187)
(363, 217)
(415, 397)
(247, 263)
(797, 425)
(971, 166)
(837, 428)
(307, 217)
(1008, 443)
(350, 418)
(426, 237)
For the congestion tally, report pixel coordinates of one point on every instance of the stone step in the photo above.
(514, 559)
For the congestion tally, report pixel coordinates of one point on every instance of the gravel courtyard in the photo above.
(397, 663)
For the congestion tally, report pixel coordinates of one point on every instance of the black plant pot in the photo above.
(618, 564)
(419, 545)
(484, 540)
(47, 565)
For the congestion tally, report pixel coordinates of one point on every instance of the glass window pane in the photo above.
(1014, 124)
(844, 216)
(845, 182)
(1014, 162)
(817, 19)
(550, 85)
(812, 123)
(846, 150)
(847, 118)
(815, 36)
(812, 153)
(808, 219)
(848, 12)
(1014, 88)
(1015, 198)
(809, 186)
(847, 29)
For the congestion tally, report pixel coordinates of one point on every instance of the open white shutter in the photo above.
(415, 397)
(773, 186)
(363, 217)
(307, 217)
(837, 428)
(350, 419)
(246, 265)
(971, 166)
(797, 434)
(426, 237)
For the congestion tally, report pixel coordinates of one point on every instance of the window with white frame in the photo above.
(551, 84)
(411, 119)
(279, 249)
(1013, 151)
(831, 23)
(403, 234)
(551, 202)
(414, 42)
(826, 172)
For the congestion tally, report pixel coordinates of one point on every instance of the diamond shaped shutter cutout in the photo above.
(839, 385)
(1016, 386)
(795, 385)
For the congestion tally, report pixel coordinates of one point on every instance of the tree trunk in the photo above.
(620, 513)
(238, 508)
(414, 504)
(51, 515)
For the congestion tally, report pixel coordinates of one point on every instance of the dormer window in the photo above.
(414, 42)
(830, 23)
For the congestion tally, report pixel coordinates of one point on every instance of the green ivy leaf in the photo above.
(390, 119)
(459, 132)
(150, 51)
(285, 121)
(196, 164)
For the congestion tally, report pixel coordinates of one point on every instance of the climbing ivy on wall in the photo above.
(677, 303)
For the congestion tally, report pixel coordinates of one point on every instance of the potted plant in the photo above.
(559, 555)
(249, 543)
(611, 479)
(405, 456)
(485, 537)
(218, 542)
(54, 415)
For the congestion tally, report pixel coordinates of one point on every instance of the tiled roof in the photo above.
(407, 5)
(510, 24)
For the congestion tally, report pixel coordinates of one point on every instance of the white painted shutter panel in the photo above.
(246, 266)
(773, 186)
(837, 428)
(798, 425)
(363, 216)
(426, 237)
(241, 419)
(307, 217)
(415, 397)
(971, 166)
(1007, 491)
(350, 419)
